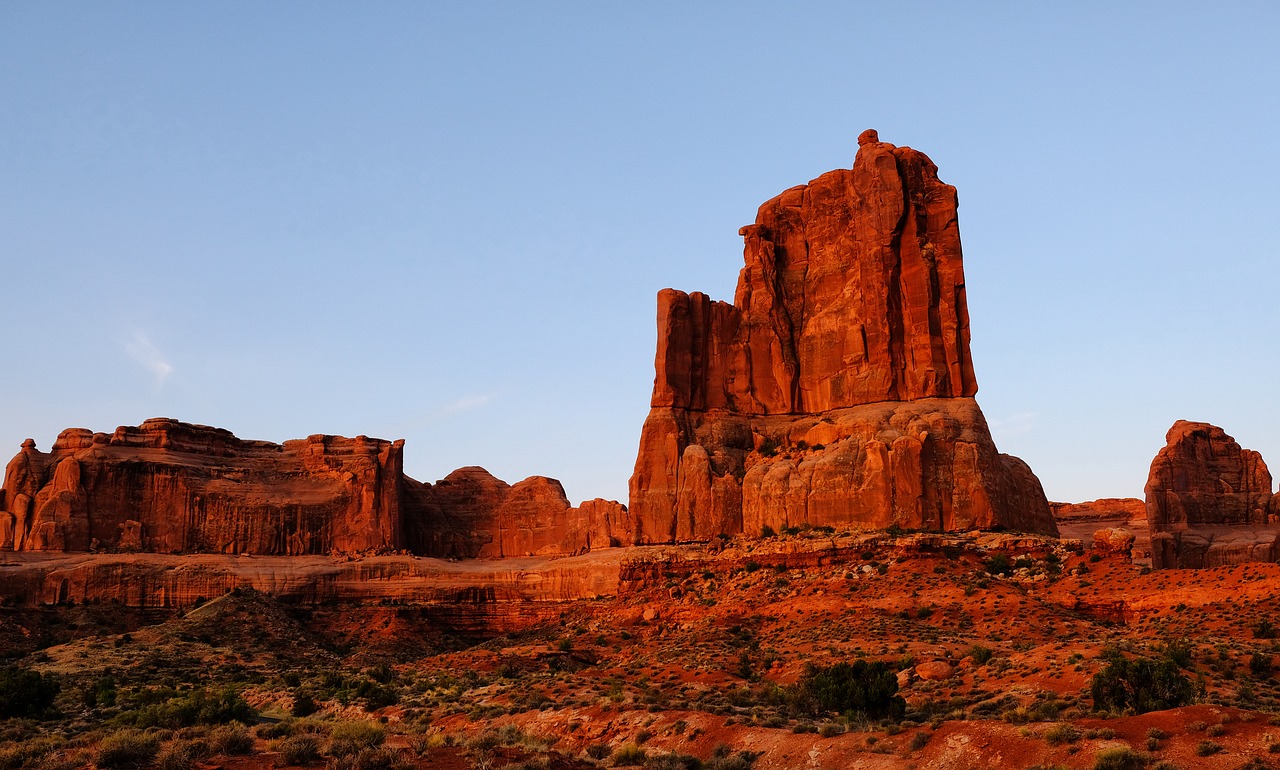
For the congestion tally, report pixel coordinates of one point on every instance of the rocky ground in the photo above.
(995, 641)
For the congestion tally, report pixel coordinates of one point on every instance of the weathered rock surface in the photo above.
(1082, 521)
(172, 487)
(1209, 502)
(482, 596)
(837, 388)
(169, 486)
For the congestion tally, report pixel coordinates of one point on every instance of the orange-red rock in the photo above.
(170, 487)
(1209, 501)
(837, 388)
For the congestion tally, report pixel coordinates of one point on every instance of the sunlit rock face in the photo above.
(1209, 501)
(837, 388)
(172, 487)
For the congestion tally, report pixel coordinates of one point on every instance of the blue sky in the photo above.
(448, 222)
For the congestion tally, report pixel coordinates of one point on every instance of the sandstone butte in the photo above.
(1209, 502)
(173, 487)
(837, 388)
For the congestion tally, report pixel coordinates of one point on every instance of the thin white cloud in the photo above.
(144, 352)
(1017, 424)
(466, 403)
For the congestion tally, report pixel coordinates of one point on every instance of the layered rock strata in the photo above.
(1209, 501)
(173, 487)
(837, 388)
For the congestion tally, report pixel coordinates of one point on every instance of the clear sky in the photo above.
(447, 222)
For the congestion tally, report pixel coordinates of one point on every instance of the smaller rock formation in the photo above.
(1083, 522)
(1209, 502)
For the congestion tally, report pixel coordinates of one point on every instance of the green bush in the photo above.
(181, 755)
(28, 752)
(1061, 733)
(303, 705)
(200, 707)
(1119, 758)
(231, 740)
(298, 749)
(998, 564)
(348, 738)
(127, 750)
(629, 755)
(380, 758)
(26, 693)
(1205, 748)
(1141, 684)
(869, 689)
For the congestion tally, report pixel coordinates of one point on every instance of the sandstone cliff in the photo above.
(173, 487)
(837, 388)
(168, 486)
(1209, 501)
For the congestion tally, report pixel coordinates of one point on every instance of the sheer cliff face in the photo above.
(168, 486)
(1209, 501)
(852, 293)
(850, 308)
(172, 487)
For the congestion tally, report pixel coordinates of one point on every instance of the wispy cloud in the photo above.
(1017, 424)
(144, 352)
(465, 403)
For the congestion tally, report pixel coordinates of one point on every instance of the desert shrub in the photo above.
(598, 751)
(723, 759)
(199, 707)
(1141, 684)
(303, 705)
(672, 761)
(1260, 664)
(998, 564)
(26, 693)
(1119, 758)
(869, 689)
(127, 750)
(181, 755)
(751, 566)
(767, 531)
(1206, 748)
(348, 738)
(1061, 733)
(298, 749)
(231, 740)
(282, 729)
(1264, 629)
(380, 758)
(918, 741)
(981, 655)
(629, 755)
(27, 752)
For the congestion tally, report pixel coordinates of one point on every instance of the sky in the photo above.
(448, 222)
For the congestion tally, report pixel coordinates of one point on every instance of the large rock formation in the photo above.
(837, 388)
(172, 487)
(1209, 501)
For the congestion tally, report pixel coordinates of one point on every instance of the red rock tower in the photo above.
(837, 388)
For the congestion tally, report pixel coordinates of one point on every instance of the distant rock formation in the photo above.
(1210, 502)
(1108, 515)
(837, 388)
(172, 487)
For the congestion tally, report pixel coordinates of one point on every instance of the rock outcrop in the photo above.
(1209, 502)
(173, 487)
(1108, 515)
(837, 388)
